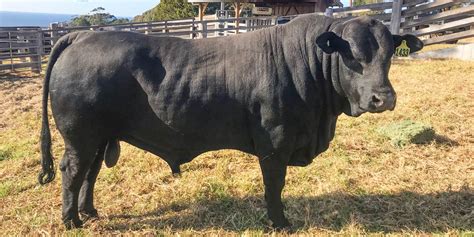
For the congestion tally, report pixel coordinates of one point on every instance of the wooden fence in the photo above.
(21, 48)
(24, 47)
(437, 21)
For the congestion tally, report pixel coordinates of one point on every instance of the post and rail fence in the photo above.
(26, 47)
(434, 21)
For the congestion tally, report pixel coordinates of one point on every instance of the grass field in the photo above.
(361, 185)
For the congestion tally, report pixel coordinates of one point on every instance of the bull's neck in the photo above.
(308, 61)
(332, 63)
(332, 74)
(332, 77)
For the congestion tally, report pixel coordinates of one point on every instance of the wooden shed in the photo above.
(279, 7)
(285, 7)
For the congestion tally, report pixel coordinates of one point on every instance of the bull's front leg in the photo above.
(274, 172)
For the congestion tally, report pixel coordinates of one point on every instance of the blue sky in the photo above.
(128, 8)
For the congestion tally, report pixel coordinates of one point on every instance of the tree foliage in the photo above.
(168, 10)
(365, 2)
(212, 7)
(97, 16)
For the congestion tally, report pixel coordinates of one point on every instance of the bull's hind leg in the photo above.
(86, 195)
(74, 166)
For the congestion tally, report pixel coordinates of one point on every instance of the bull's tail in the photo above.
(47, 174)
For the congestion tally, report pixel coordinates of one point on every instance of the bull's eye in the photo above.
(350, 60)
(354, 65)
(360, 59)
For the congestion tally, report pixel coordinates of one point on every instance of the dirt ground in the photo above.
(361, 185)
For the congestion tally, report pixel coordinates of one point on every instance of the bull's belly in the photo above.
(194, 134)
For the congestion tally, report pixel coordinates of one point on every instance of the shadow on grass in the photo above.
(16, 80)
(17, 76)
(432, 212)
(444, 140)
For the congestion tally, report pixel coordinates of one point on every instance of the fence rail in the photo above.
(20, 48)
(24, 47)
(437, 21)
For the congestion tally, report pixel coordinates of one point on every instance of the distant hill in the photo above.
(31, 19)
(34, 19)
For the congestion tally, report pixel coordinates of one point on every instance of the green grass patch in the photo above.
(408, 132)
(5, 189)
(214, 189)
(8, 188)
(5, 153)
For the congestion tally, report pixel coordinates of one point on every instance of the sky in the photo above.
(123, 8)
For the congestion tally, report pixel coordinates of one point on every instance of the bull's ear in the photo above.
(413, 42)
(328, 42)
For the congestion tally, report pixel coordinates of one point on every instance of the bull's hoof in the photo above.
(71, 224)
(283, 225)
(88, 214)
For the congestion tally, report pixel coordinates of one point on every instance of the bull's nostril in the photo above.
(377, 101)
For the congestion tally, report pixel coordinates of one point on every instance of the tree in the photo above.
(168, 10)
(212, 7)
(80, 21)
(365, 2)
(97, 16)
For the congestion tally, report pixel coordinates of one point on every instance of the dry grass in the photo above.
(361, 185)
(445, 46)
(437, 46)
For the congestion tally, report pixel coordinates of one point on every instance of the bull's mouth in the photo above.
(358, 110)
(354, 110)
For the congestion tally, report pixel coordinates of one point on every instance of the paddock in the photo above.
(361, 185)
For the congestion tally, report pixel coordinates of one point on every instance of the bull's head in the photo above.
(365, 47)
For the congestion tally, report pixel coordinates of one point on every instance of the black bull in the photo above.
(275, 93)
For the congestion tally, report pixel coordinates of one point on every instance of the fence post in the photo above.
(204, 30)
(148, 28)
(216, 26)
(21, 38)
(37, 58)
(202, 26)
(226, 27)
(329, 12)
(191, 35)
(54, 34)
(10, 51)
(396, 16)
(274, 21)
(165, 30)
